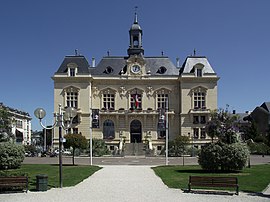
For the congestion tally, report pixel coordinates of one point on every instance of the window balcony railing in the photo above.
(132, 111)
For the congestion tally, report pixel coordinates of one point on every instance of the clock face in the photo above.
(135, 68)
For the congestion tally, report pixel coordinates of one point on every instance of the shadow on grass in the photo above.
(65, 165)
(200, 171)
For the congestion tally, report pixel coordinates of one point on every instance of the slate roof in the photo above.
(81, 61)
(193, 60)
(119, 63)
(266, 106)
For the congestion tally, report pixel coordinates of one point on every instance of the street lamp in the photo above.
(164, 124)
(63, 119)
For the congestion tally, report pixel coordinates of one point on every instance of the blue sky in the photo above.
(36, 35)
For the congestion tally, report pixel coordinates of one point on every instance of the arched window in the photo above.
(108, 129)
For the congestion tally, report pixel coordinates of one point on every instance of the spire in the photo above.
(136, 16)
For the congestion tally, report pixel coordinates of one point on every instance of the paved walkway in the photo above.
(123, 184)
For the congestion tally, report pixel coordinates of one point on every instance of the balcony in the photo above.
(202, 110)
(130, 111)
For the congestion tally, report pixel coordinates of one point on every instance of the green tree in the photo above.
(5, 125)
(177, 147)
(100, 148)
(11, 155)
(76, 141)
(223, 125)
(212, 126)
(251, 131)
(228, 153)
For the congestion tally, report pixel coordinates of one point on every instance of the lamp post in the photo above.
(167, 134)
(61, 117)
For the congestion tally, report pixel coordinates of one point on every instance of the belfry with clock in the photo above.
(133, 102)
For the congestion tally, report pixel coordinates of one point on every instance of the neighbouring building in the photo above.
(261, 116)
(137, 98)
(20, 125)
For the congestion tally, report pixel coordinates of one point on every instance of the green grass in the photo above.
(254, 179)
(72, 175)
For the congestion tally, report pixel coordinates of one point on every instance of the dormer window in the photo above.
(162, 70)
(72, 72)
(108, 70)
(198, 70)
(199, 73)
(72, 69)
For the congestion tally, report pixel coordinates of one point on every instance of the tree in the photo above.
(223, 125)
(228, 153)
(213, 125)
(177, 147)
(5, 125)
(99, 147)
(76, 141)
(11, 155)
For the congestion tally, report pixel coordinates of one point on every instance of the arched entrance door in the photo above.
(135, 131)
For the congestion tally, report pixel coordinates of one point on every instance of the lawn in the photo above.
(254, 179)
(72, 175)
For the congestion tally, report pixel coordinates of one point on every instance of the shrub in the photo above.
(259, 148)
(234, 156)
(100, 148)
(209, 157)
(11, 155)
(227, 157)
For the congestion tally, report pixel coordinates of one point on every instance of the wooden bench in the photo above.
(201, 181)
(14, 182)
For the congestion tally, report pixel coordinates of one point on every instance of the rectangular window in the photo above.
(199, 72)
(108, 101)
(199, 100)
(72, 99)
(162, 101)
(72, 131)
(19, 124)
(195, 119)
(136, 101)
(195, 133)
(72, 72)
(203, 119)
(203, 133)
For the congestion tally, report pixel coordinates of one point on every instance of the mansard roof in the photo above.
(266, 106)
(152, 64)
(79, 60)
(192, 61)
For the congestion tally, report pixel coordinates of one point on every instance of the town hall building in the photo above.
(137, 99)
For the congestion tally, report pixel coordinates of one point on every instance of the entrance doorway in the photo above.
(135, 131)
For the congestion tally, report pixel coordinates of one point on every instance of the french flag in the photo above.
(136, 101)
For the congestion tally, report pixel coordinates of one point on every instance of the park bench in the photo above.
(205, 181)
(14, 182)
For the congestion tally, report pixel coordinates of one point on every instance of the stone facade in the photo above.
(134, 97)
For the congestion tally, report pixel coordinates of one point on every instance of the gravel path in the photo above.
(122, 184)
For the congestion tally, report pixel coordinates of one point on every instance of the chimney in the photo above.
(177, 62)
(93, 62)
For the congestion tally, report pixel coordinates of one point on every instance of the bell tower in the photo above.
(135, 39)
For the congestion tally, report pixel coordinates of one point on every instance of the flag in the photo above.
(136, 101)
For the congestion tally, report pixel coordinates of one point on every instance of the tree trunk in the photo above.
(73, 156)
